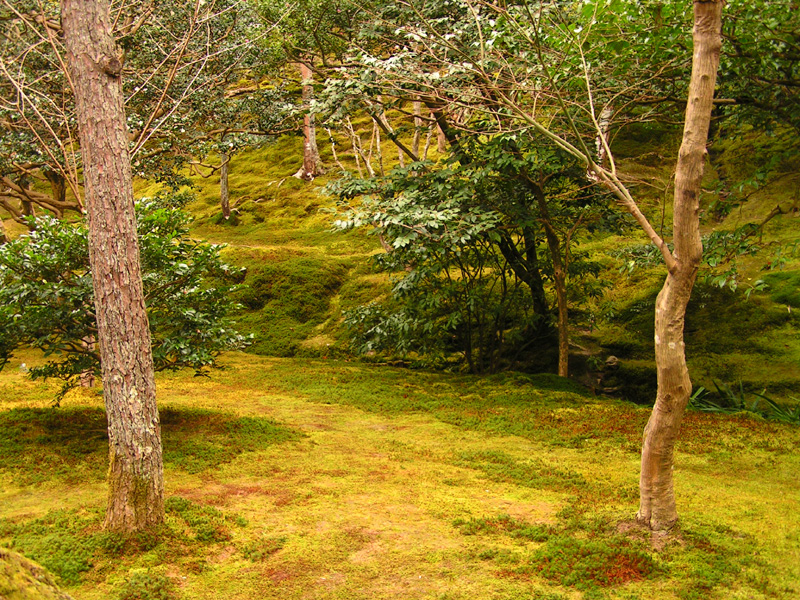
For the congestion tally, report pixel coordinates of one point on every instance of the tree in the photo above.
(540, 67)
(47, 301)
(179, 61)
(136, 478)
(463, 243)
(315, 29)
(657, 507)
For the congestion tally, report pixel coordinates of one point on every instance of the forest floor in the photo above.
(306, 478)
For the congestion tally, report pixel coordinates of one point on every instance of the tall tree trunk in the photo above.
(559, 282)
(657, 499)
(3, 234)
(417, 107)
(136, 482)
(224, 194)
(312, 164)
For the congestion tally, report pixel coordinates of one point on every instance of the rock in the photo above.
(23, 579)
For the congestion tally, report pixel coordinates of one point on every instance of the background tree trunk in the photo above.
(224, 194)
(312, 164)
(417, 108)
(657, 499)
(136, 483)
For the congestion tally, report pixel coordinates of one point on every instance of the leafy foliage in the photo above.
(465, 246)
(47, 298)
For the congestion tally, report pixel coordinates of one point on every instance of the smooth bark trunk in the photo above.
(657, 507)
(312, 164)
(417, 107)
(136, 484)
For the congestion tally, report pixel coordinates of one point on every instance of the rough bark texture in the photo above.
(657, 499)
(136, 484)
(312, 164)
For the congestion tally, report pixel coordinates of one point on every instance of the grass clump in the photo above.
(504, 524)
(587, 563)
(70, 544)
(62, 542)
(146, 585)
(197, 523)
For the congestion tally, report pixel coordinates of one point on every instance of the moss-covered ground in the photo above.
(311, 478)
(293, 473)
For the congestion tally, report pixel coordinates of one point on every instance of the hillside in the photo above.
(302, 274)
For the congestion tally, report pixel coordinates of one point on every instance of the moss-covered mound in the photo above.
(23, 579)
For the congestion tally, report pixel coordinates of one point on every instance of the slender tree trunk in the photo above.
(417, 127)
(560, 283)
(136, 484)
(657, 499)
(312, 164)
(224, 195)
(3, 234)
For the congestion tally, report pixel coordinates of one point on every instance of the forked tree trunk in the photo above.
(312, 164)
(136, 483)
(657, 499)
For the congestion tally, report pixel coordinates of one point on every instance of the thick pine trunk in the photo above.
(657, 498)
(136, 484)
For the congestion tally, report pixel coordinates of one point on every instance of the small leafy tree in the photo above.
(46, 297)
(465, 240)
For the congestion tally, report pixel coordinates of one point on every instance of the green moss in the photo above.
(61, 542)
(70, 543)
(71, 444)
(23, 579)
(146, 585)
(499, 466)
(584, 564)
(784, 287)
(505, 524)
